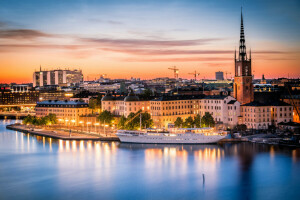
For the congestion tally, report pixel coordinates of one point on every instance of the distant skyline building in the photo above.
(57, 77)
(243, 87)
(219, 75)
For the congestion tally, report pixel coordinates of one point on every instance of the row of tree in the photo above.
(135, 120)
(131, 122)
(39, 121)
(206, 121)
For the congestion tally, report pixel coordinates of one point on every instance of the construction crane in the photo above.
(176, 70)
(195, 74)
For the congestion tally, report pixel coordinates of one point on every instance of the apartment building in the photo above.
(67, 112)
(258, 115)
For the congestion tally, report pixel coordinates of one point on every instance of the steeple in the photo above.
(40, 68)
(242, 49)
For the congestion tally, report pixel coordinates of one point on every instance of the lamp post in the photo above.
(87, 126)
(81, 122)
(105, 125)
(96, 124)
(67, 123)
(73, 121)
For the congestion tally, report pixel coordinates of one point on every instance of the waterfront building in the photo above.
(243, 87)
(67, 112)
(224, 109)
(121, 105)
(57, 77)
(258, 115)
(219, 75)
(166, 109)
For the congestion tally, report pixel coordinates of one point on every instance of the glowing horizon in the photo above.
(126, 39)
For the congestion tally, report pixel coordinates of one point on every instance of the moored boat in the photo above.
(173, 136)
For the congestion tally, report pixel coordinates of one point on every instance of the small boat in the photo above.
(173, 136)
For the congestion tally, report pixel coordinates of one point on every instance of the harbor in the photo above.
(38, 167)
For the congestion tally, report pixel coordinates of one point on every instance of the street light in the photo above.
(81, 122)
(105, 125)
(67, 122)
(96, 124)
(87, 126)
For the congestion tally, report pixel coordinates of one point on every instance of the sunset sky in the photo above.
(137, 38)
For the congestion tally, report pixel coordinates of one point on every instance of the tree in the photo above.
(52, 118)
(189, 122)
(28, 119)
(207, 120)
(122, 121)
(98, 101)
(92, 104)
(106, 117)
(147, 122)
(134, 119)
(197, 121)
(178, 122)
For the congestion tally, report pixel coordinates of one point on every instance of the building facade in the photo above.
(294, 100)
(224, 109)
(165, 110)
(243, 87)
(219, 76)
(8, 97)
(57, 77)
(67, 112)
(260, 116)
(124, 105)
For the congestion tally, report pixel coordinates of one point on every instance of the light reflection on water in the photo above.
(36, 167)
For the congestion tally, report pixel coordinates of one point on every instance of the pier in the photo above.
(58, 134)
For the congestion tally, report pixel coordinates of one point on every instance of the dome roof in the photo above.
(108, 97)
(131, 97)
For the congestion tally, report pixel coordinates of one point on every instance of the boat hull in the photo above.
(186, 139)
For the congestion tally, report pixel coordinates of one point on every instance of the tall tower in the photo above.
(243, 87)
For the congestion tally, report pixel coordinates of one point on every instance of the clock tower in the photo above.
(243, 87)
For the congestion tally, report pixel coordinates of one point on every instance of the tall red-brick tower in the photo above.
(243, 87)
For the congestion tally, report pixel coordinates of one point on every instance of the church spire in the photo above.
(242, 49)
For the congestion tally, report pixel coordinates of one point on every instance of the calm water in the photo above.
(33, 167)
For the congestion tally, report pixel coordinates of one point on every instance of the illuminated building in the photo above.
(124, 105)
(243, 87)
(57, 77)
(258, 115)
(66, 111)
(18, 97)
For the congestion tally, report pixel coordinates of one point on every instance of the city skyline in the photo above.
(137, 39)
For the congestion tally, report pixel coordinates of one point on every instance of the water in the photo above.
(34, 167)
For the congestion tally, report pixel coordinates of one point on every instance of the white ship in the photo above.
(174, 136)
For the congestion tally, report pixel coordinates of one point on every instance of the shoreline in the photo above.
(53, 135)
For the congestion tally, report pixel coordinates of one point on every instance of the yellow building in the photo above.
(67, 112)
(165, 110)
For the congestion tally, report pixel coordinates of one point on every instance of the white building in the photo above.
(124, 106)
(224, 109)
(257, 115)
(57, 77)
